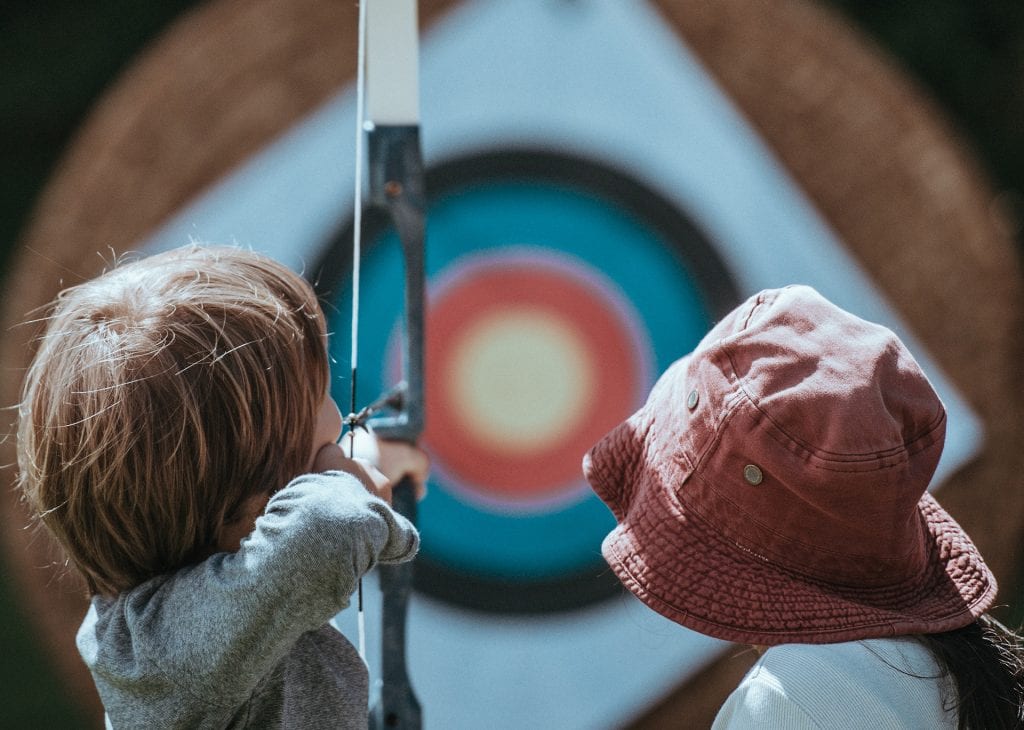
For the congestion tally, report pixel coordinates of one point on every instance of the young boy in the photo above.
(177, 438)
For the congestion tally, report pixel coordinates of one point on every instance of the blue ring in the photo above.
(493, 217)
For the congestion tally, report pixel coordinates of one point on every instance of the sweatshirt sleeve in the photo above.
(223, 624)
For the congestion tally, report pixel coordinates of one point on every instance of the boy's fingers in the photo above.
(400, 459)
(419, 464)
(372, 472)
(418, 468)
(331, 457)
(375, 482)
(390, 460)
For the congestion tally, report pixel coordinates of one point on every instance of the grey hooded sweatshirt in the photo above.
(241, 640)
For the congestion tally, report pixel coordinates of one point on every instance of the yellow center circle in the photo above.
(521, 380)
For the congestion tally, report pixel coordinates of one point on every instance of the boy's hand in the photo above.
(332, 458)
(377, 463)
(396, 459)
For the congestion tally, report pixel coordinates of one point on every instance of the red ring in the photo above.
(608, 344)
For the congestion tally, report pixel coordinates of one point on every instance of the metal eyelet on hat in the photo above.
(753, 474)
(692, 399)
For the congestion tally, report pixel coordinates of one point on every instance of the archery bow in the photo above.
(388, 69)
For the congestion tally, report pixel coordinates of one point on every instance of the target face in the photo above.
(557, 290)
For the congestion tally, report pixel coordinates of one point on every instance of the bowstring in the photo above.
(357, 236)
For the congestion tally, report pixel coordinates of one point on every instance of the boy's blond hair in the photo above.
(164, 394)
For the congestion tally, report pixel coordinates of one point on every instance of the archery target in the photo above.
(558, 288)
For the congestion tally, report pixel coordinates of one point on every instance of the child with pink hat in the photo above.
(772, 491)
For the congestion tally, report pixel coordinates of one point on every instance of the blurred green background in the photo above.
(58, 56)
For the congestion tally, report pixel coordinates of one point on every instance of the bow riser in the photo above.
(396, 186)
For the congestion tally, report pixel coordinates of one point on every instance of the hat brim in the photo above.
(681, 567)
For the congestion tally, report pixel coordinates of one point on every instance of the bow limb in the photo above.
(395, 165)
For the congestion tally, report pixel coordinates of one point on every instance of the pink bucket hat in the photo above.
(772, 489)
